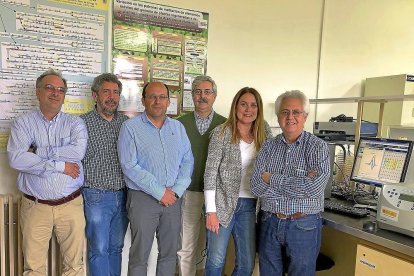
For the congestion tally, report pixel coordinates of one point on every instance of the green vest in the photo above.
(199, 146)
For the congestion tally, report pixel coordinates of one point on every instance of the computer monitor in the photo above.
(381, 161)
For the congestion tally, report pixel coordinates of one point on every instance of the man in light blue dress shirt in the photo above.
(46, 147)
(156, 158)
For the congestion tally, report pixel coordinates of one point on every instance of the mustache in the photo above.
(203, 100)
(110, 101)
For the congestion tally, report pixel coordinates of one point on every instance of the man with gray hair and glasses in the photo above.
(289, 177)
(46, 146)
(104, 191)
(198, 125)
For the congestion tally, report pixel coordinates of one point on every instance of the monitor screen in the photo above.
(381, 161)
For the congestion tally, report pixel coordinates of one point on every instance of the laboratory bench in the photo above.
(356, 251)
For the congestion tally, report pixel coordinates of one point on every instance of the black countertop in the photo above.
(353, 226)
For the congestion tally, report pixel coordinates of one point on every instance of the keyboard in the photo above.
(343, 209)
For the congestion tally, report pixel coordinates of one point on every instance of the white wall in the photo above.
(363, 39)
(269, 45)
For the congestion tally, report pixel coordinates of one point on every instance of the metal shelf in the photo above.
(377, 99)
(361, 100)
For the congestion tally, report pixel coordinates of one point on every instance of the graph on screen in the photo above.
(379, 161)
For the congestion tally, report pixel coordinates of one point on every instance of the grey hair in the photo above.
(292, 94)
(199, 79)
(106, 77)
(51, 72)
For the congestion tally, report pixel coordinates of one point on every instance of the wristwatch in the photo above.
(176, 196)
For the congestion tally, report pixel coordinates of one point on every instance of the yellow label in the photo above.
(4, 137)
(77, 106)
(389, 213)
(94, 4)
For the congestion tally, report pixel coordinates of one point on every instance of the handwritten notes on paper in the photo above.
(38, 35)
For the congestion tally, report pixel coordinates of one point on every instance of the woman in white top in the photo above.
(230, 206)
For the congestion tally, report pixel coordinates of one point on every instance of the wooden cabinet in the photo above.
(397, 112)
(377, 263)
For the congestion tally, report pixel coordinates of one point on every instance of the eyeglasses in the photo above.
(295, 113)
(52, 89)
(155, 97)
(206, 92)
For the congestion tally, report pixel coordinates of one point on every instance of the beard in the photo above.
(106, 107)
(109, 111)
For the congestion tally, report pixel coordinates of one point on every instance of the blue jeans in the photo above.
(301, 239)
(106, 225)
(242, 226)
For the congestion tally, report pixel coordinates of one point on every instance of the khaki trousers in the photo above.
(192, 219)
(37, 223)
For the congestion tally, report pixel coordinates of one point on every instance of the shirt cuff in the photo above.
(210, 201)
(158, 193)
(60, 166)
(178, 189)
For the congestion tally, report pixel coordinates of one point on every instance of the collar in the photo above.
(297, 142)
(145, 119)
(54, 119)
(209, 117)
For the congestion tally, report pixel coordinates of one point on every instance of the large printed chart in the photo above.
(162, 43)
(67, 35)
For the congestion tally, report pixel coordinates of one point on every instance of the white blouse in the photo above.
(248, 156)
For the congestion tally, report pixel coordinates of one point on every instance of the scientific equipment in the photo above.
(380, 161)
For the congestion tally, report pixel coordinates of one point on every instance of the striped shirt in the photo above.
(290, 189)
(152, 158)
(101, 163)
(203, 123)
(63, 139)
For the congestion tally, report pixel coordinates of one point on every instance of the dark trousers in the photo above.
(147, 216)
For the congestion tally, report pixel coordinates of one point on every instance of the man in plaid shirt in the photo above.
(290, 175)
(104, 190)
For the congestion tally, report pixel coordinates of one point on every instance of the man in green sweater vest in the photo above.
(198, 125)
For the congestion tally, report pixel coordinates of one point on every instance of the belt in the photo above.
(55, 202)
(292, 216)
(105, 190)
